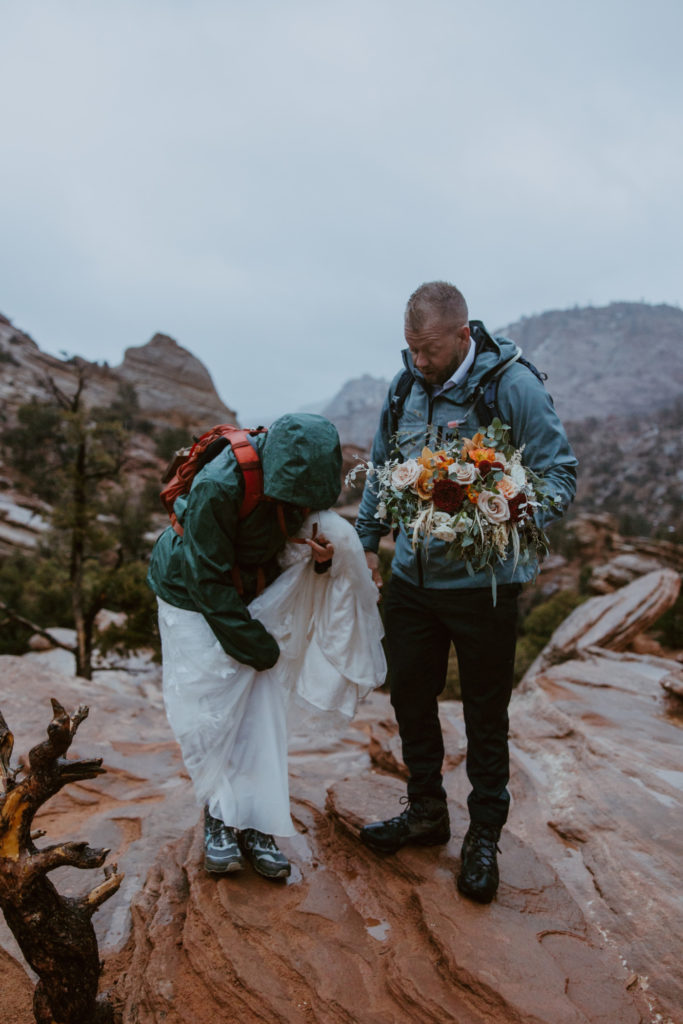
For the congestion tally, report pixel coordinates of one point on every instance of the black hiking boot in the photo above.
(478, 878)
(424, 822)
(221, 849)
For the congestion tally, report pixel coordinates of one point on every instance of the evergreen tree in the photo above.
(75, 458)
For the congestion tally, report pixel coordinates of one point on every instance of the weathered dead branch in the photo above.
(55, 933)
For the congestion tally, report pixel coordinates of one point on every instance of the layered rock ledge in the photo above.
(583, 930)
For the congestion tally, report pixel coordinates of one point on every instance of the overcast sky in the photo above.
(268, 181)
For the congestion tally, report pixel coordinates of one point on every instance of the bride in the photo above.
(231, 720)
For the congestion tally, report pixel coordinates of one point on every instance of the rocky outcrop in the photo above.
(172, 383)
(356, 938)
(172, 386)
(582, 924)
(23, 520)
(614, 620)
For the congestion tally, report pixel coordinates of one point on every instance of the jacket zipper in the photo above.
(420, 574)
(418, 553)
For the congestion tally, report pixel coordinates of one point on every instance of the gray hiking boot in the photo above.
(222, 853)
(262, 853)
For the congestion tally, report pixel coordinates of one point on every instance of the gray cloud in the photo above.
(268, 183)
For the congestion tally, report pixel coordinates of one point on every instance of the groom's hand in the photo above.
(372, 558)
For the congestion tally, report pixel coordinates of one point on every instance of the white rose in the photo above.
(501, 458)
(518, 475)
(442, 527)
(464, 472)
(405, 474)
(494, 507)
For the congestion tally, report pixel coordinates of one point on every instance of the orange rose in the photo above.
(425, 484)
(482, 455)
(473, 494)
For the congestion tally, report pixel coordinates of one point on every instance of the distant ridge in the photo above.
(625, 358)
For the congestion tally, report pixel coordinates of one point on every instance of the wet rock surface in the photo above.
(582, 930)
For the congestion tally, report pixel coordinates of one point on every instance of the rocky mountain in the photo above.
(625, 358)
(172, 386)
(354, 410)
(617, 360)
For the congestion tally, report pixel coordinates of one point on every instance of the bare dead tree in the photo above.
(54, 932)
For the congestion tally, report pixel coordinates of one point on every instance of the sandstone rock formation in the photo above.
(173, 387)
(173, 384)
(581, 930)
(613, 620)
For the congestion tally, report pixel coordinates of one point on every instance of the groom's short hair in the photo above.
(438, 299)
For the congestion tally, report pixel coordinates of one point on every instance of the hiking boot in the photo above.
(478, 876)
(262, 853)
(424, 822)
(221, 849)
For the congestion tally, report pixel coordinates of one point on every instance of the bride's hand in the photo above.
(321, 548)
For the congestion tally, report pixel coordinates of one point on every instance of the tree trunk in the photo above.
(55, 933)
(78, 532)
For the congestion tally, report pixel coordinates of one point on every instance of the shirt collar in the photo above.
(459, 375)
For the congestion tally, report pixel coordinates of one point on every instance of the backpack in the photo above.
(188, 461)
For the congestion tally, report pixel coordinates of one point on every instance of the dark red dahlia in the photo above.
(519, 508)
(448, 495)
(484, 468)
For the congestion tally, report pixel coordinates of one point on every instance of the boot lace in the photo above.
(252, 837)
(220, 833)
(483, 845)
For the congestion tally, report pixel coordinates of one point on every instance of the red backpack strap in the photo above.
(189, 461)
(250, 464)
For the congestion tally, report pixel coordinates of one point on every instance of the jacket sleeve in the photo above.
(525, 404)
(210, 527)
(368, 527)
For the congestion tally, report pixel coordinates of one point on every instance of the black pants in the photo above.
(420, 625)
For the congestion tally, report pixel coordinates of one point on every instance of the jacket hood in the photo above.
(491, 353)
(302, 461)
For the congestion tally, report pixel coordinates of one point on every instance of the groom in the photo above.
(433, 601)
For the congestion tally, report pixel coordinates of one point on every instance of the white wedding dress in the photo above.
(230, 720)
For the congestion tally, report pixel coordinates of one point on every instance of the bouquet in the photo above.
(475, 494)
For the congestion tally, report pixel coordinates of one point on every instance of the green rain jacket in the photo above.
(301, 460)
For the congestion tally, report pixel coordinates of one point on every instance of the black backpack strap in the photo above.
(486, 399)
(396, 402)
